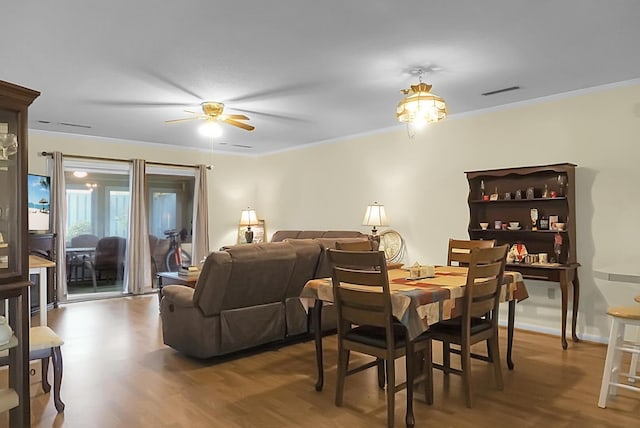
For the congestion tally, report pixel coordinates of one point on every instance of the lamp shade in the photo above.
(375, 216)
(248, 217)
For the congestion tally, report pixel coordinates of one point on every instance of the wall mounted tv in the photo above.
(39, 202)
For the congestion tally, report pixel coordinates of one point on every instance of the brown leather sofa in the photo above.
(246, 295)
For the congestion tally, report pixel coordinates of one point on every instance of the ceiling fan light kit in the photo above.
(211, 128)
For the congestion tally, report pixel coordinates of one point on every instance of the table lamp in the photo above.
(375, 216)
(247, 218)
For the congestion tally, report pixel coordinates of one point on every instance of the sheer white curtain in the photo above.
(59, 210)
(137, 272)
(200, 216)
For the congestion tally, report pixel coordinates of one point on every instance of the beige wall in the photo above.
(422, 184)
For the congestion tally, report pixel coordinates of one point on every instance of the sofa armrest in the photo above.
(179, 295)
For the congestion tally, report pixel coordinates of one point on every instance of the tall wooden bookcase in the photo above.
(510, 195)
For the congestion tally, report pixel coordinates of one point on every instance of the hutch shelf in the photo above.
(541, 200)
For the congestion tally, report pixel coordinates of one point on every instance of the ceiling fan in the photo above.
(212, 111)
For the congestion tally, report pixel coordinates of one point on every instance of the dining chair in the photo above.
(366, 325)
(459, 250)
(76, 260)
(479, 319)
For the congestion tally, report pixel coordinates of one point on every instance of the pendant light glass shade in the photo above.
(421, 106)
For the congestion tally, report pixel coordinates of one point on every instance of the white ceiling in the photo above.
(303, 71)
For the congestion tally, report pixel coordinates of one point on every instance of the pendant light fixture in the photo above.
(420, 107)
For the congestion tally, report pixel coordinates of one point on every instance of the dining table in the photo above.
(418, 303)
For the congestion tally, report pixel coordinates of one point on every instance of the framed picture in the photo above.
(258, 233)
(493, 197)
(553, 219)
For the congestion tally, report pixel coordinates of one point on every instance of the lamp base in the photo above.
(248, 235)
(374, 235)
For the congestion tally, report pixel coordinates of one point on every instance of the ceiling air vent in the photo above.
(75, 125)
(499, 91)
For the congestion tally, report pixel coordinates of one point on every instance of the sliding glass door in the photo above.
(170, 195)
(97, 226)
(98, 204)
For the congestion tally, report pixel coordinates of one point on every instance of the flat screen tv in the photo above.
(39, 202)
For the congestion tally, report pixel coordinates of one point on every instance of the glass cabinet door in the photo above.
(10, 184)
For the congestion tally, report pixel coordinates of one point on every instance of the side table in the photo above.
(168, 278)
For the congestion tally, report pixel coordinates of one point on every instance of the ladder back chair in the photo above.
(460, 250)
(366, 325)
(479, 320)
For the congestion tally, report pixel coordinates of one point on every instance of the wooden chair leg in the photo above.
(56, 359)
(343, 361)
(497, 366)
(381, 378)
(391, 390)
(466, 372)
(44, 365)
(446, 357)
(410, 361)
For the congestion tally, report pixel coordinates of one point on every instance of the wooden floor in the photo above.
(117, 373)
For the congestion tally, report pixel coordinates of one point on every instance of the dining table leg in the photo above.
(317, 325)
(510, 325)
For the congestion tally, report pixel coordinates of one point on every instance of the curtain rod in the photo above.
(49, 154)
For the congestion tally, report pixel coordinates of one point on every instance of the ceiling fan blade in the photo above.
(271, 115)
(239, 124)
(235, 116)
(181, 120)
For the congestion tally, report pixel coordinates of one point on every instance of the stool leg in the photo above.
(44, 364)
(633, 370)
(608, 364)
(617, 357)
(57, 378)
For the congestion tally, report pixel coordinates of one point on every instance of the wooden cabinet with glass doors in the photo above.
(14, 102)
(533, 210)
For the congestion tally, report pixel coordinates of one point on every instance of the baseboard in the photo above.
(555, 332)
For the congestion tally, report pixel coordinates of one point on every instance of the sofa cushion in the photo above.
(324, 266)
(260, 274)
(281, 235)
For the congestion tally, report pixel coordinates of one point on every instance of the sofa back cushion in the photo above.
(324, 265)
(308, 253)
(281, 235)
(260, 274)
(212, 283)
(244, 275)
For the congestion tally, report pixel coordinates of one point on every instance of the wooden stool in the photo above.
(633, 369)
(45, 344)
(622, 316)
